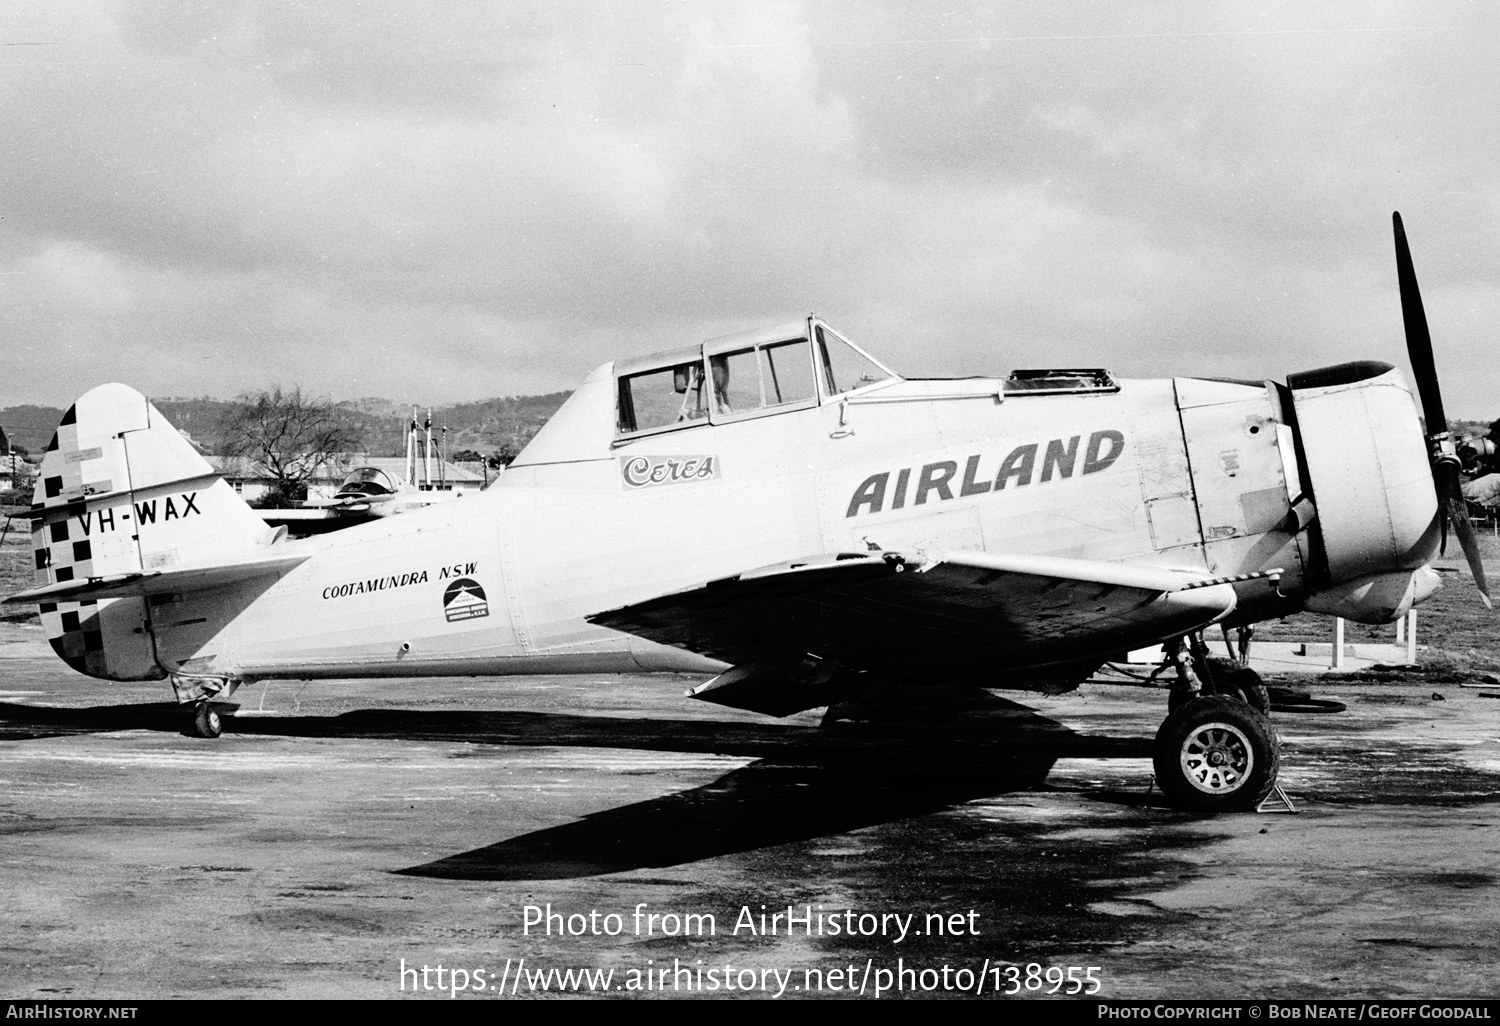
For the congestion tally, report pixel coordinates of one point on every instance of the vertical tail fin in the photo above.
(121, 491)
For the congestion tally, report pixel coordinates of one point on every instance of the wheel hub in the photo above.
(1217, 758)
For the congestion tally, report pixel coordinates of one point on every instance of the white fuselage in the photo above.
(1124, 476)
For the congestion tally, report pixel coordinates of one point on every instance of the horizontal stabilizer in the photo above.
(157, 582)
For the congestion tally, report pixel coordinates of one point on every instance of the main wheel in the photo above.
(1216, 754)
(206, 721)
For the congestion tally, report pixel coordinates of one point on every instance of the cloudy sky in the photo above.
(454, 200)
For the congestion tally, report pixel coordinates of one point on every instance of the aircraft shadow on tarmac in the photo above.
(806, 782)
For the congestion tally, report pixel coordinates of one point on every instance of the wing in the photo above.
(950, 614)
(277, 517)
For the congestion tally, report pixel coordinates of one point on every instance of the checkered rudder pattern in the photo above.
(63, 550)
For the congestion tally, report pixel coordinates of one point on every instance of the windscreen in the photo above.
(844, 367)
(368, 481)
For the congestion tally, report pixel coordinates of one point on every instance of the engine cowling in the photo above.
(1368, 472)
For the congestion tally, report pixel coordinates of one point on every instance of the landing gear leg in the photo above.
(206, 721)
(1188, 685)
(1233, 681)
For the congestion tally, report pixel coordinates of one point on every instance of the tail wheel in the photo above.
(206, 721)
(1216, 754)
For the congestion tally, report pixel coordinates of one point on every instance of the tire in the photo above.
(206, 721)
(1250, 687)
(1216, 754)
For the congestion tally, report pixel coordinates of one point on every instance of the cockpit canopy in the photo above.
(366, 481)
(739, 377)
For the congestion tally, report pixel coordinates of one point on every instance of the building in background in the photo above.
(253, 483)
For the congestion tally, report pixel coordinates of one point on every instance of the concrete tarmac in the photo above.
(339, 832)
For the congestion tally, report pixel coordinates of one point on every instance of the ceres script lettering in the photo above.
(646, 471)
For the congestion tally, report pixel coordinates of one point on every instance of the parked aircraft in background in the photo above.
(370, 492)
(367, 493)
(779, 511)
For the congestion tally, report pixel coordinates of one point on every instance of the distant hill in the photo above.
(196, 418)
(483, 426)
(486, 425)
(29, 427)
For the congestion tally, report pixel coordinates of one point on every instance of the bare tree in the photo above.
(288, 436)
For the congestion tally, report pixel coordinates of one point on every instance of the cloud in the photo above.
(465, 199)
(76, 278)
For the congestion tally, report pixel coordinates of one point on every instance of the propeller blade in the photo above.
(1445, 462)
(1450, 494)
(1469, 541)
(1418, 339)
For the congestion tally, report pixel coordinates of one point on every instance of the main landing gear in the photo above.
(1216, 751)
